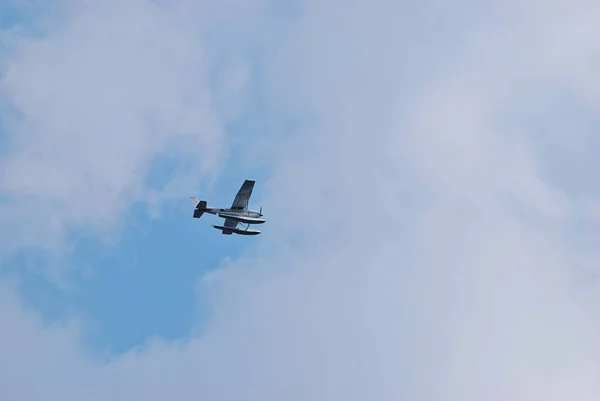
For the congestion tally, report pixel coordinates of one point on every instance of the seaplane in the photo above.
(238, 213)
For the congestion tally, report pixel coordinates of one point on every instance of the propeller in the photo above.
(260, 211)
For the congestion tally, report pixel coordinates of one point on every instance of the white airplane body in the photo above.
(234, 215)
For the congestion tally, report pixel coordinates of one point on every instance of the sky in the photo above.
(426, 172)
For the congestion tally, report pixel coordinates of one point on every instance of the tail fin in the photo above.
(199, 207)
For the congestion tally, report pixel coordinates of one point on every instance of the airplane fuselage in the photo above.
(241, 215)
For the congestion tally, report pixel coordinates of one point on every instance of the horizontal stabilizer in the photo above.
(199, 207)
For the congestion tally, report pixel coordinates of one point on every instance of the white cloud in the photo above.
(461, 284)
(97, 98)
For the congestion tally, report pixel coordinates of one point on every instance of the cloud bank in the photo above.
(92, 104)
(425, 248)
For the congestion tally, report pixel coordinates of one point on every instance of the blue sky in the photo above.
(143, 285)
(432, 227)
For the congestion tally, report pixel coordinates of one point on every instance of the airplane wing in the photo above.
(243, 195)
(229, 223)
